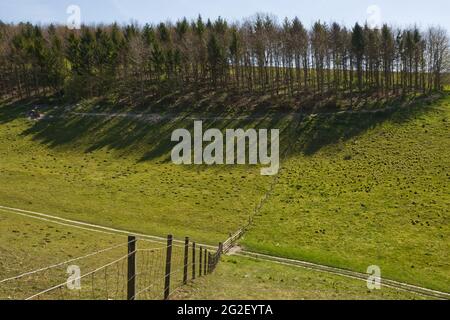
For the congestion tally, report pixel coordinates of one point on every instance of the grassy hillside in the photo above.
(366, 190)
(49, 248)
(117, 172)
(29, 244)
(357, 189)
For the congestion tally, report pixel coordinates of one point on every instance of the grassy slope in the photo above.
(248, 279)
(324, 209)
(116, 173)
(379, 197)
(28, 244)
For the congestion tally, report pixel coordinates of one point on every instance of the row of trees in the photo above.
(255, 56)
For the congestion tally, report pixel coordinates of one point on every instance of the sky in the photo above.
(395, 12)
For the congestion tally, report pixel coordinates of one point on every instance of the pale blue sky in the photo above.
(397, 12)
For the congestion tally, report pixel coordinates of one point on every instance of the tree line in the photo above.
(257, 56)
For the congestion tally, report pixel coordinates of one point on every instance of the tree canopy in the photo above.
(258, 56)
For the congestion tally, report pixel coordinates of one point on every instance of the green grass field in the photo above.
(28, 244)
(379, 196)
(356, 189)
(248, 279)
(117, 173)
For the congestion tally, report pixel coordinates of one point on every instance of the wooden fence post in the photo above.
(186, 253)
(168, 262)
(218, 255)
(204, 262)
(193, 261)
(200, 262)
(210, 259)
(131, 274)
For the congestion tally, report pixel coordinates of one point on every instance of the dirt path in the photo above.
(157, 117)
(87, 226)
(346, 273)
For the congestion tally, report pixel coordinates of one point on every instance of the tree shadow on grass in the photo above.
(12, 109)
(318, 131)
(151, 140)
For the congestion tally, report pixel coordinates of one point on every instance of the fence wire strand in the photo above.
(112, 280)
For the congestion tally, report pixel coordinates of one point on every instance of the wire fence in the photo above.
(138, 269)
